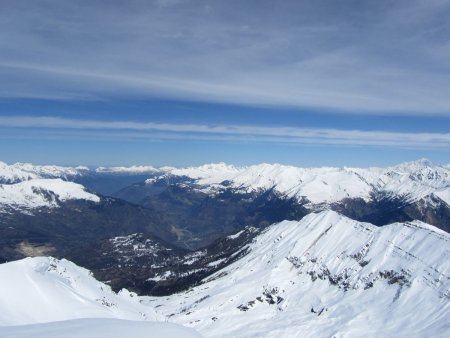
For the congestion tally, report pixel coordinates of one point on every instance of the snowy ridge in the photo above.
(326, 276)
(19, 172)
(411, 181)
(44, 289)
(25, 171)
(208, 173)
(37, 193)
(323, 276)
(135, 169)
(72, 303)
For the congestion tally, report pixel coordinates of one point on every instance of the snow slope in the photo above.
(96, 328)
(411, 181)
(44, 289)
(37, 193)
(326, 276)
(61, 294)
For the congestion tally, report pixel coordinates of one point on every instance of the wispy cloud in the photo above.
(365, 57)
(227, 133)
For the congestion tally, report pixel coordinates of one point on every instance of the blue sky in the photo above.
(171, 82)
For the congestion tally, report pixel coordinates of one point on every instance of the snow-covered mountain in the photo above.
(326, 276)
(39, 193)
(209, 201)
(24, 186)
(44, 289)
(102, 180)
(411, 181)
(135, 169)
(319, 275)
(59, 293)
(19, 172)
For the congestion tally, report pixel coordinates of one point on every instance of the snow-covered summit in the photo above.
(213, 171)
(325, 276)
(25, 171)
(416, 165)
(37, 193)
(411, 181)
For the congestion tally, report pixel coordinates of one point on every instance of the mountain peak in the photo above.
(328, 266)
(420, 163)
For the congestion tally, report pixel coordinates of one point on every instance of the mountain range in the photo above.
(326, 275)
(263, 250)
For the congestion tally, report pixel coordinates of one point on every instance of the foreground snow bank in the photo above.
(44, 297)
(95, 328)
(44, 289)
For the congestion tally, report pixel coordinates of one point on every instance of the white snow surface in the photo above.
(44, 289)
(412, 180)
(25, 171)
(43, 297)
(37, 193)
(327, 276)
(324, 276)
(97, 328)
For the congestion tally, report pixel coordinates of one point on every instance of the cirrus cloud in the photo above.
(376, 57)
(227, 133)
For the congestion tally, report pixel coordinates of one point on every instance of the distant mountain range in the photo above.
(264, 250)
(204, 203)
(108, 212)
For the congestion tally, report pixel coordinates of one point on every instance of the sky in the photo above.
(171, 82)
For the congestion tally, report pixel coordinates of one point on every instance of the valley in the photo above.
(268, 249)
